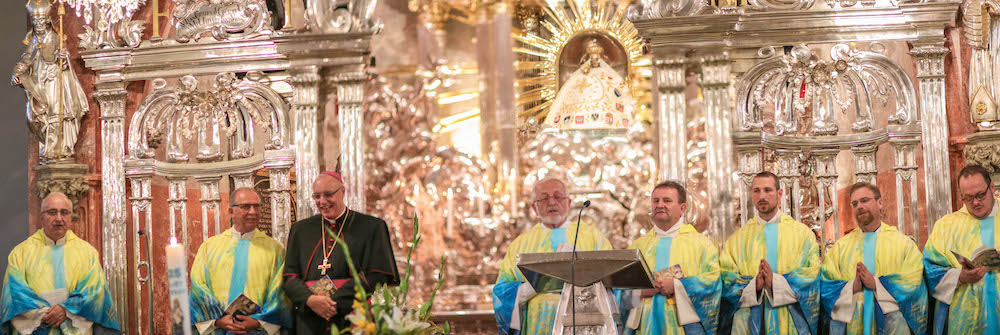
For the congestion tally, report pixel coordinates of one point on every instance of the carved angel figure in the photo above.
(56, 100)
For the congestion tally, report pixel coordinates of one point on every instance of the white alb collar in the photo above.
(49, 242)
(564, 225)
(672, 232)
(243, 236)
(775, 219)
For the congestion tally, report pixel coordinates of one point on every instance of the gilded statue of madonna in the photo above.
(594, 97)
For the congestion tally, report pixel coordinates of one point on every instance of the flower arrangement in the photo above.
(385, 311)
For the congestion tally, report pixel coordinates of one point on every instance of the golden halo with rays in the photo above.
(538, 81)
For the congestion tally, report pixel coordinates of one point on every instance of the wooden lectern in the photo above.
(596, 273)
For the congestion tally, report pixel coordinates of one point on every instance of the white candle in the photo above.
(178, 285)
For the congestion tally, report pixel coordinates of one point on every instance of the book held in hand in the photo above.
(242, 306)
(982, 256)
(669, 273)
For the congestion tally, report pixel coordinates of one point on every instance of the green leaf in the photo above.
(425, 313)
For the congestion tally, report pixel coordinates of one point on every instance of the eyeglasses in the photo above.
(247, 207)
(317, 196)
(981, 196)
(545, 200)
(54, 212)
(862, 201)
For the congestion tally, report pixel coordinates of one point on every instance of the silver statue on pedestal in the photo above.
(56, 101)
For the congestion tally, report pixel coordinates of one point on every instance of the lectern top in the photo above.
(625, 269)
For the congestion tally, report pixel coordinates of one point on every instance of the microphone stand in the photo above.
(572, 263)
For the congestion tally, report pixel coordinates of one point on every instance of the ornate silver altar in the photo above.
(804, 95)
(246, 99)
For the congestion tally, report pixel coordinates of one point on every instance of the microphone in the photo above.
(572, 262)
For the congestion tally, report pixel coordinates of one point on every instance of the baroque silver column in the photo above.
(788, 176)
(905, 166)
(715, 80)
(934, 128)
(280, 203)
(350, 97)
(748, 149)
(825, 161)
(305, 104)
(864, 162)
(670, 107)
(498, 121)
(111, 97)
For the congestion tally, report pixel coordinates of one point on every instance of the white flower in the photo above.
(404, 323)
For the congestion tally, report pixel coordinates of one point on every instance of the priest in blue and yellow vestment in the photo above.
(872, 278)
(966, 297)
(685, 303)
(770, 270)
(54, 282)
(518, 308)
(241, 260)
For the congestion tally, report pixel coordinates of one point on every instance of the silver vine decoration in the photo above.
(225, 19)
(229, 111)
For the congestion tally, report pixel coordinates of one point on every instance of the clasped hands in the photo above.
(55, 316)
(865, 279)
(322, 305)
(664, 287)
(239, 324)
(764, 276)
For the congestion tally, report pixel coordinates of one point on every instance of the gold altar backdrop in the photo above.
(450, 110)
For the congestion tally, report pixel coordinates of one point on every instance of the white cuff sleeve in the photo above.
(524, 292)
(843, 308)
(205, 327)
(945, 289)
(27, 322)
(749, 297)
(685, 309)
(634, 315)
(82, 325)
(782, 293)
(885, 300)
(270, 328)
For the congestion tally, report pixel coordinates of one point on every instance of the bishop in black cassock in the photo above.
(310, 241)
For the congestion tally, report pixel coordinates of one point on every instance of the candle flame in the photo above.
(173, 240)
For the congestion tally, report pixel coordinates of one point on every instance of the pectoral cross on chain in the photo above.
(324, 266)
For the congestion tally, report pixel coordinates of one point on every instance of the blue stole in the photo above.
(58, 267)
(662, 262)
(868, 252)
(771, 239)
(557, 236)
(990, 305)
(239, 277)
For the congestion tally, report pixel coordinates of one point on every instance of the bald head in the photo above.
(328, 196)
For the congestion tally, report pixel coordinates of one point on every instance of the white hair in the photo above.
(534, 189)
(45, 201)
